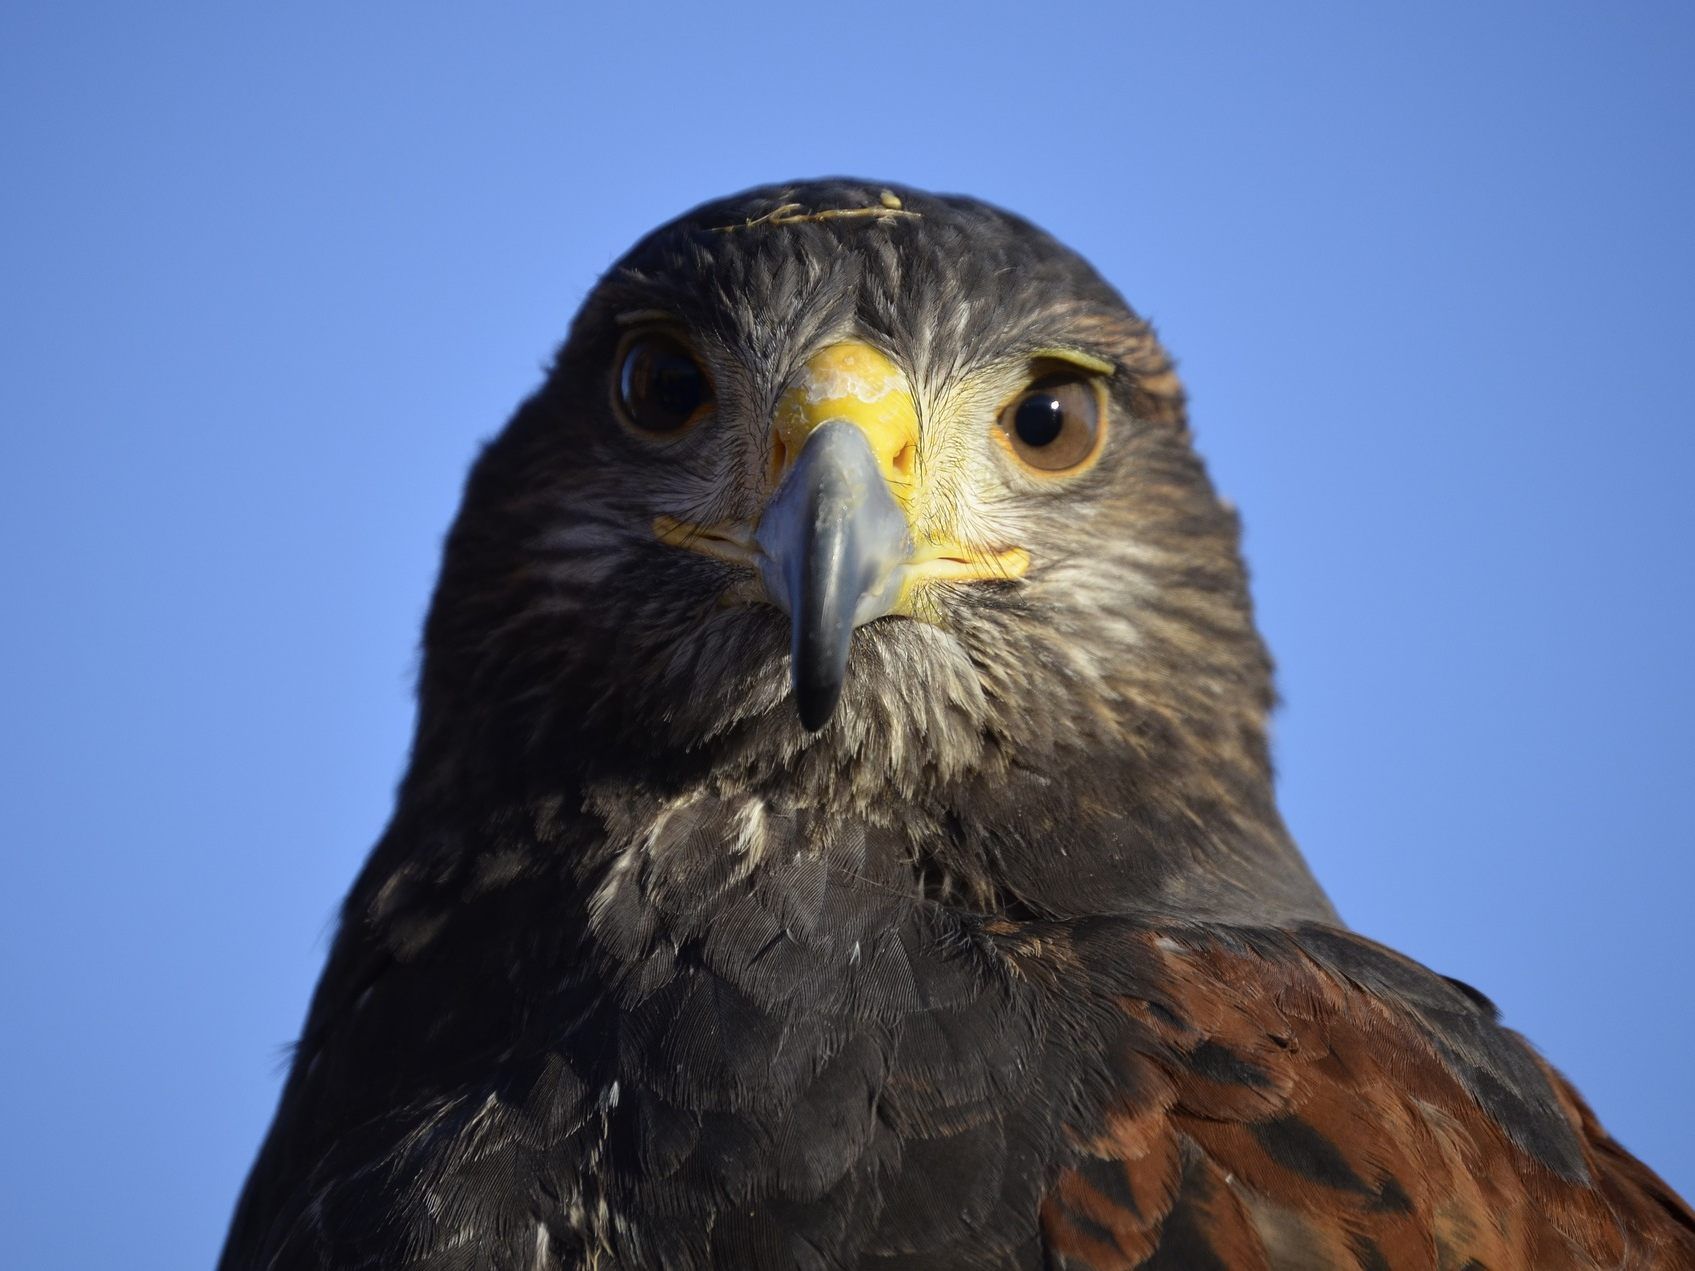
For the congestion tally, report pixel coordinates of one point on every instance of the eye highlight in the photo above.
(1055, 425)
(660, 386)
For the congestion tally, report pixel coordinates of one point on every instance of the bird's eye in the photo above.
(661, 388)
(1054, 425)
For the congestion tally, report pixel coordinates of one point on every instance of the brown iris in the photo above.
(1054, 425)
(661, 387)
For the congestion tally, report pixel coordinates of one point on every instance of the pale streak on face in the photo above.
(966, 492)
(853, 376)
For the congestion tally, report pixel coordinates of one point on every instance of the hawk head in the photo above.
(882, 496)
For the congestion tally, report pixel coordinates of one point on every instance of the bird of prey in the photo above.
(840, 831)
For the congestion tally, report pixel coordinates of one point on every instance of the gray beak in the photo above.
(832, 543)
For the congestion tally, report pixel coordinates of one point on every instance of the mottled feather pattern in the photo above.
(1315, 1122)
(788, 1043)
(800, 1066)
(1012, 965)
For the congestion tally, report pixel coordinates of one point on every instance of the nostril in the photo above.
(907, 456)
(779, 456)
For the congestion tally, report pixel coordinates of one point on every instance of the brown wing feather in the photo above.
(1272, 1113)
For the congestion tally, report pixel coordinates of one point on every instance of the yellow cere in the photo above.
(859, 384)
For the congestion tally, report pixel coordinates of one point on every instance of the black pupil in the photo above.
(663, 387)
(1039, 419)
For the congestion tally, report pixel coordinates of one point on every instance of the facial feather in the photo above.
(1010, 963)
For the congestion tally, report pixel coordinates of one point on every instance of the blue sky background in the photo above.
(269, 274)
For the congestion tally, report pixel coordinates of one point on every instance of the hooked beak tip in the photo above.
(831, 543)
(817, 703)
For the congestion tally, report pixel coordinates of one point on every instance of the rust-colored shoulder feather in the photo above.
(1277, 1108)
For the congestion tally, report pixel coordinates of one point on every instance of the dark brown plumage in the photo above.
(840, 831)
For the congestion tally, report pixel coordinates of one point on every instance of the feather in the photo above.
(1013, 964)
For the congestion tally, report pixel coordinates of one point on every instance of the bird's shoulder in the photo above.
(706, 1060)
(1311, 1099)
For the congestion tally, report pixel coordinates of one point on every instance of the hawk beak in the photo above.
(832, 546)
(836, 545)
(835, 535)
